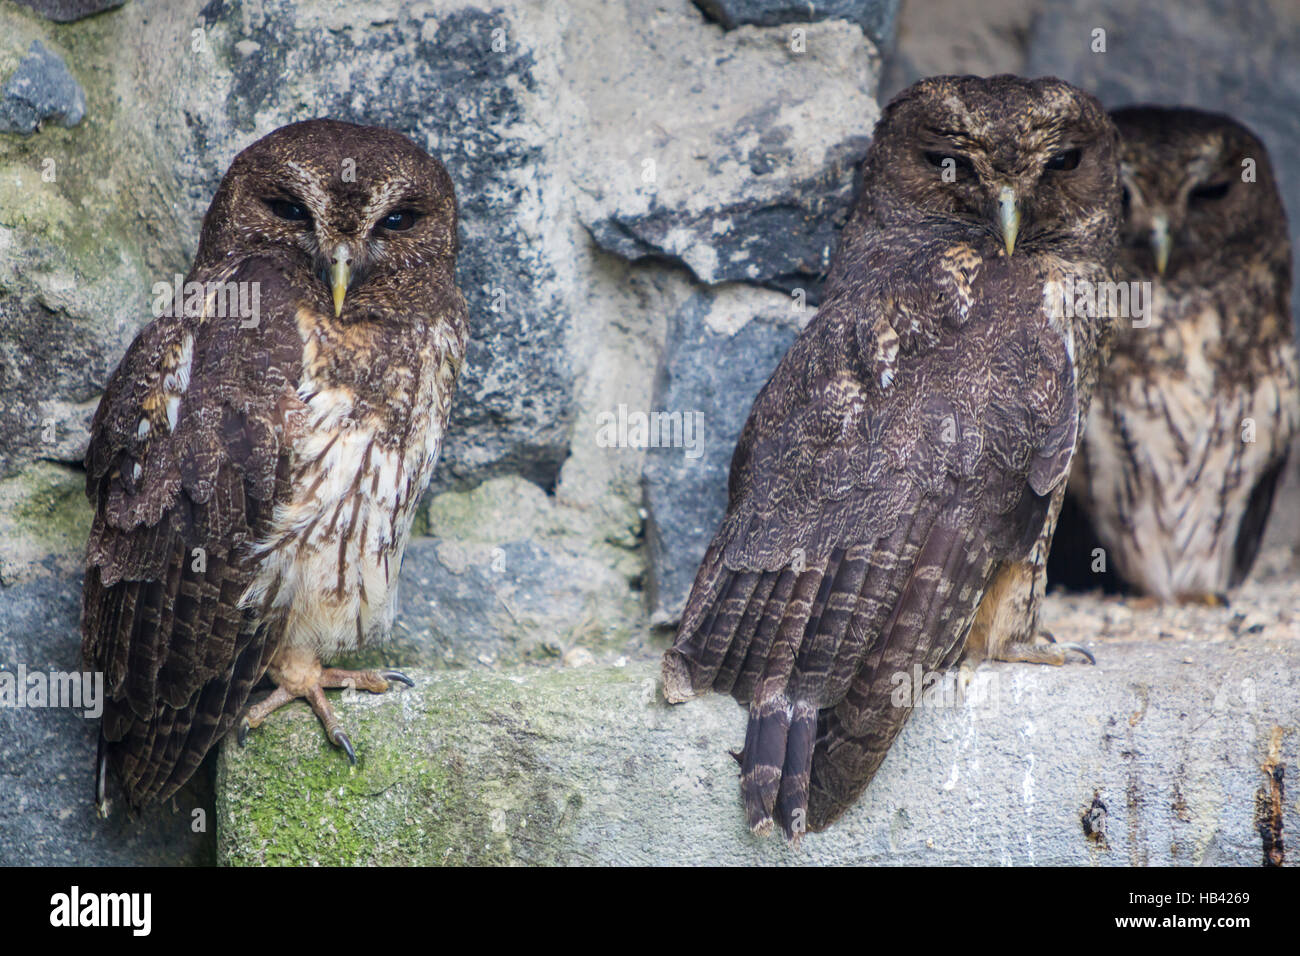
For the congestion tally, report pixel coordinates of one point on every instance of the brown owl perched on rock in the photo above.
(894, 491)
(257, 457)
(1199, 403)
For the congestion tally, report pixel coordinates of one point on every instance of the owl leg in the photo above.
(1006, 623)
(298, 673)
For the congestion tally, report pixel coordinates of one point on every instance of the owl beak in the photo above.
(1160, 242)
(340, 276)
(1009, 216)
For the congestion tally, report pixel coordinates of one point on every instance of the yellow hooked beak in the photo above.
(1009, 216)
(340, 276)
(1160, 242)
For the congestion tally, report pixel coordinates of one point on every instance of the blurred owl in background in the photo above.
(1193, 416)
(255, 468)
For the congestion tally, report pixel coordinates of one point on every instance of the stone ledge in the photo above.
(1164, 743)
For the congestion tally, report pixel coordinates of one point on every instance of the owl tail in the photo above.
(776, 763)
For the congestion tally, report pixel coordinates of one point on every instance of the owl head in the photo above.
(1199, 197)
(1028, 165)
(360, 206)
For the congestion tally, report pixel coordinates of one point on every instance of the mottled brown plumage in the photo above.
(893, 492)
(254, 477)
(1195, 412)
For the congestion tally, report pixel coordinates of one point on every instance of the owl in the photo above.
(1198, 405)
(257, 457)
(894, 490)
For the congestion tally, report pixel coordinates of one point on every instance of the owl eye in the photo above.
(946, 161)
(1066, 160)
(400, 220)
(1208, 192)
(287, 209)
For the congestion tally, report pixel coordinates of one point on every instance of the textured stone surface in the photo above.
(712, 371)
(741, 171)
(876, 17)
(65, 11)
(542, 133)
(1161, 744)
(41, 90)
(927, 44)
(47, 756)
(509, 575)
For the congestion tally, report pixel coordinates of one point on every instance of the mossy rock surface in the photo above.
(1159, 747)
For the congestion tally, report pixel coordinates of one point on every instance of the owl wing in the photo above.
(1278, 423)
(187, 459)
(868, 512)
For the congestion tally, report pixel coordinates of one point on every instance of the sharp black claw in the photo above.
(341, 739)
(1082, 650)
(397, 676)
(241, 735)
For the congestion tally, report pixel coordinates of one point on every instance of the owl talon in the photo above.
(1079, 649)
(376, 682)
(254, 716)
(342, 740)
(1043, 651)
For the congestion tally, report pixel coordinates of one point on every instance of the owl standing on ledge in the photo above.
(254, 477)
(895, 489)
(1194, 413)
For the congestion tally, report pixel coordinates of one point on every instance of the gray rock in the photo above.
(943, 37)
(42, 89)
(876, 17)
(66, 11)
(1159, 749)
(510, 576)
(47, 756)
(711, 375)
(742, 171)
(64, 321)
